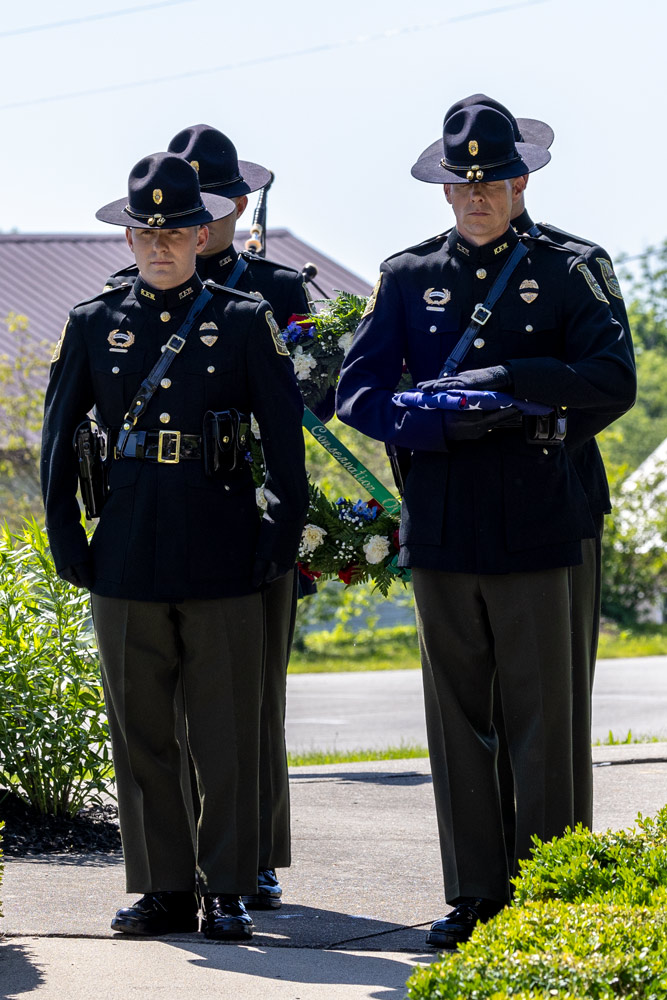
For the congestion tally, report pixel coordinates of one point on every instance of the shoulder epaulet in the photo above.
(214, 286)
(545, 241)
(560, 234)
(254, 258)
(108, 290)
(420, 246)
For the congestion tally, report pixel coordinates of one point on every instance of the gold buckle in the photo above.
(169, 436)
(172, 344)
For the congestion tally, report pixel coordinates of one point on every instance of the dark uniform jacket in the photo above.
(282, 286)
(583, 448)
(498, 504)
(167, 531)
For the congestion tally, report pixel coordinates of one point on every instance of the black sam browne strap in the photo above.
(482, 311)
(169, 351)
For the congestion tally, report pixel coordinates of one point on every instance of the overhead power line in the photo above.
(102, 16)
(278, 57)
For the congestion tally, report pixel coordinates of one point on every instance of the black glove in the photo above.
(265, 572)
(496, 378)
(79, 575)
(469, 425)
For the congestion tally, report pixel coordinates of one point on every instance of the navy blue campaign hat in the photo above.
(214, 157)
(530, 130)
(477, 145)
(163, 193)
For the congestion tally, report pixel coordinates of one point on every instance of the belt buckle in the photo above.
(169, 437)
(172, 344)
(480, 314)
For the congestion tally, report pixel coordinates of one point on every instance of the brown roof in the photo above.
(44, 275)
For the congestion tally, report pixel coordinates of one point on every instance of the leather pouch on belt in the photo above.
(225, 436)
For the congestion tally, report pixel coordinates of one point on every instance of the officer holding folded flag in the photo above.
(180, 556)
(493, 515)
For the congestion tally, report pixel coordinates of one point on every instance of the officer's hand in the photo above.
(495, 378)
(470, 425)
(265, 572)
(80, 575)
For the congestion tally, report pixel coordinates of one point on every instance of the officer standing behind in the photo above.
(221, 172)
(587, 461)
(492, 521)
(179, 556)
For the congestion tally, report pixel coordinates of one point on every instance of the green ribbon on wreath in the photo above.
(345, 458)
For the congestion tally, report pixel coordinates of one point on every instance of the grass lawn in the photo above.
(396, 648)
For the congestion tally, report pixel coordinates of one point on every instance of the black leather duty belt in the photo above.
(165, 447)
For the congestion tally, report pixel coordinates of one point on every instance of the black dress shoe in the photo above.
(225, 918)
(268, 895)
(159, 913)
(457, 926)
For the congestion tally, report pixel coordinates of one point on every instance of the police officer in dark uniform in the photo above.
(220, 171)
(492, 519)
(180, 556)
(587, 461)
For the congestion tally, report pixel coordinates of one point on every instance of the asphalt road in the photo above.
(349, 711)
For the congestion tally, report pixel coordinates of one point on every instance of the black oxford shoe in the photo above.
(225, 918)
(457, 926)
(268, 895)
(159, 913)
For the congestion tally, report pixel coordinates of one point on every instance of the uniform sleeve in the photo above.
(277, 405)
(69, 397)
(372, 369)
(597, 373)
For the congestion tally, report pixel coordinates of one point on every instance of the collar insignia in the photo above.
(184, 294)
(225, 260)
(529, 290)
(499, 249)
(147, 294)
(120, 340)
(462, 249)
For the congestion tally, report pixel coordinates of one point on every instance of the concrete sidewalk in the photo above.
(364, 886)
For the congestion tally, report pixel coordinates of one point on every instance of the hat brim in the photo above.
(253, 177)
(429, 168)
(215, 207)
(534, 132)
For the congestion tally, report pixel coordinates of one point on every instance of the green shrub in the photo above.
(2, 864)
(624, 866)
(555, 951)
(54, 749)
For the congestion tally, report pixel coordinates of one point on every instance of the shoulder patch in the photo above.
(370, 305)
(610, 279)
(592, 283)
(276, 335)
(58, 347)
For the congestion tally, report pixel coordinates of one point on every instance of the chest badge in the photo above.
(437, 298)
(120, 340)
(208, 338)
(529, 290)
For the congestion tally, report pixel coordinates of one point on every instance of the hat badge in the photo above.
(157, 196)
(195, 164)
(473, 147)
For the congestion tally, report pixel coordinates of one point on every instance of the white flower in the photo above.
(311, 538)
(254, 427)
(260, 499)
(345, 341)
(303, 363)
(376, 548)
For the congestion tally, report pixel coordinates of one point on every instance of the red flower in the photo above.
(373, 503)
(394, 538)
(347, 574)
(300, 319)
(312, 574)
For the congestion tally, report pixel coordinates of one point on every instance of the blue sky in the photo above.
(339, 100)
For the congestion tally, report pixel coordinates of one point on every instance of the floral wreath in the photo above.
(355, 541)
